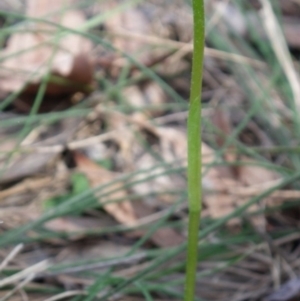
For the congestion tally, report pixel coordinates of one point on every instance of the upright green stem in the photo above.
(194, 150)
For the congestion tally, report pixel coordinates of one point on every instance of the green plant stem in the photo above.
(194, 150)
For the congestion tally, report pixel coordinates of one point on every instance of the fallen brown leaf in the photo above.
(122, 211)
(167, 237)
(28, 54)
(78, 224)
(26, 165)
(164, 237)
(132, 20)
(149, 95)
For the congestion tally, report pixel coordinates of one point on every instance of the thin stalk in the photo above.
(194, 150)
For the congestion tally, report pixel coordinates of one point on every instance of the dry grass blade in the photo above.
(188, 48)
(23, 283)
(11, 256)
(25, 186)
(35, 269)
(66, 295)
(280, 47)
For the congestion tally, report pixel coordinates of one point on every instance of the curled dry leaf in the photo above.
(122, 211)
(29, 54)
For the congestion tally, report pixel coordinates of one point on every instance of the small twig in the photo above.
(188, 47)
(11, 256)
(274, 248)
(18, 287)
(37, 268)
(280, 48)
(66, 295)
(100, 265)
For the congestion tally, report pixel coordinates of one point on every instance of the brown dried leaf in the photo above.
(24, 202)
(13, 217)
(26, 165)
(172, 149)
(227, 184)
(167, 237)
(147, 95)
(30, 52)
(91, 250)
(132, 20)
(214, 178)
(122, 211)
(173, 144)
(217, 181)
(164, 237)
(250, 175)
(224, 186)
(78, 223)
(221, 204)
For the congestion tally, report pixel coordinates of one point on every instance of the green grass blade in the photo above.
(194, 149)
